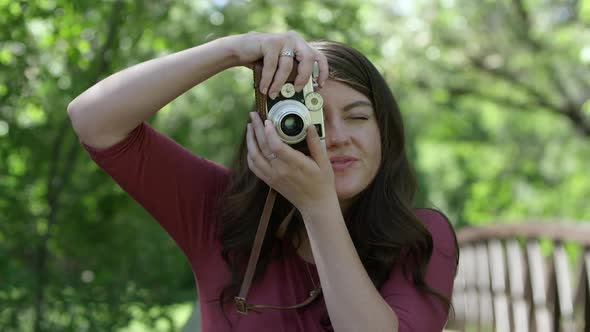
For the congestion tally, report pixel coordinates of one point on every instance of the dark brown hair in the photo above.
(382, 223)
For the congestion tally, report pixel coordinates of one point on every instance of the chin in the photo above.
(346, 190)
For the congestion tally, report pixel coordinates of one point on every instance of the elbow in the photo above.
(91, 126)
(71, 109)
(72, 114)
(77, 119)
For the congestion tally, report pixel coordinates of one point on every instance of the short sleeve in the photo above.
(178, 188)
(415, 309)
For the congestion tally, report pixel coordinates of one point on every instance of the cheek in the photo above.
(371, 146)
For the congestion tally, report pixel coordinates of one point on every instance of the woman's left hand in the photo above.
(306, 181)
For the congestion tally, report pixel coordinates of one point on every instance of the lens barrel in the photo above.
(292, 125)
(291, 119)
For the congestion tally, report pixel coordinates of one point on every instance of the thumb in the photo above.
(317, 147)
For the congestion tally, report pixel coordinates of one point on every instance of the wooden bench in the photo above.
(523, 277)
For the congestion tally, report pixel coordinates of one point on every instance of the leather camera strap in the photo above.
(242, 305)
(240, 300)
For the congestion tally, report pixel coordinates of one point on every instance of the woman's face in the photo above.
(353, 140)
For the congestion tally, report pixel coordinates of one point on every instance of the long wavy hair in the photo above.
(381, 221)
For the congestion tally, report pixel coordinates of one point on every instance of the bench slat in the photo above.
(516, 281)
(537, 277)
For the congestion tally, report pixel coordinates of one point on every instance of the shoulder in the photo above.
(440, 228)
(435, 220)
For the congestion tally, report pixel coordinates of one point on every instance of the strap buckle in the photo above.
(241, 305)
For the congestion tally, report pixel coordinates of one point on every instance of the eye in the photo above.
(359, 118)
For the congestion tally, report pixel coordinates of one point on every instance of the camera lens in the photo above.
(292, 125)
(290, 118)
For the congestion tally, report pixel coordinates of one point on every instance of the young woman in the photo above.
(380, 263)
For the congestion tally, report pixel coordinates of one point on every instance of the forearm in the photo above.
(117, 104)
(353, 302)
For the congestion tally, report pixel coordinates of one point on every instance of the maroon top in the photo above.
(178, 188)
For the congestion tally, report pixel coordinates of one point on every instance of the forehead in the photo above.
(338, 94)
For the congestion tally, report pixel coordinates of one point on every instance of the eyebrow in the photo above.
(358, 103)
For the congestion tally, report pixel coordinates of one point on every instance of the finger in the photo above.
(269, 68)
(259, 161)
(258, 129)
(287, 155)
(281, 75)
(317, 148)
(304, 70)
(324, 68)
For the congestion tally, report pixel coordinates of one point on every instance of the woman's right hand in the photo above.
(253, 47)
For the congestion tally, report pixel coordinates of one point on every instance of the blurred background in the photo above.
(495, 96)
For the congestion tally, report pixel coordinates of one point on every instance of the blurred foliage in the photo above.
(495, 94)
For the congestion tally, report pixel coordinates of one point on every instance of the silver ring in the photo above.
(289, 53)
(271, 157)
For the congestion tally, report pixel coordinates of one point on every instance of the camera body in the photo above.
(293, 112)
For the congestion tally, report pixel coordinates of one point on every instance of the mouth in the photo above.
(342, 163)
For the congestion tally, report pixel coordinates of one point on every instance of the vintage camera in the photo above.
(293, 112)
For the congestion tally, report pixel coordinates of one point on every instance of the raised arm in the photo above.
(105, 113)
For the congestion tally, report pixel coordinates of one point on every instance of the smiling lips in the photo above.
(340, 163)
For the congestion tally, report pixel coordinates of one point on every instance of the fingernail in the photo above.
(298, 88)
(267, 123)
(263, 90)
(273, 95)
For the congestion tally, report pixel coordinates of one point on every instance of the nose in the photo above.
(336, 135)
